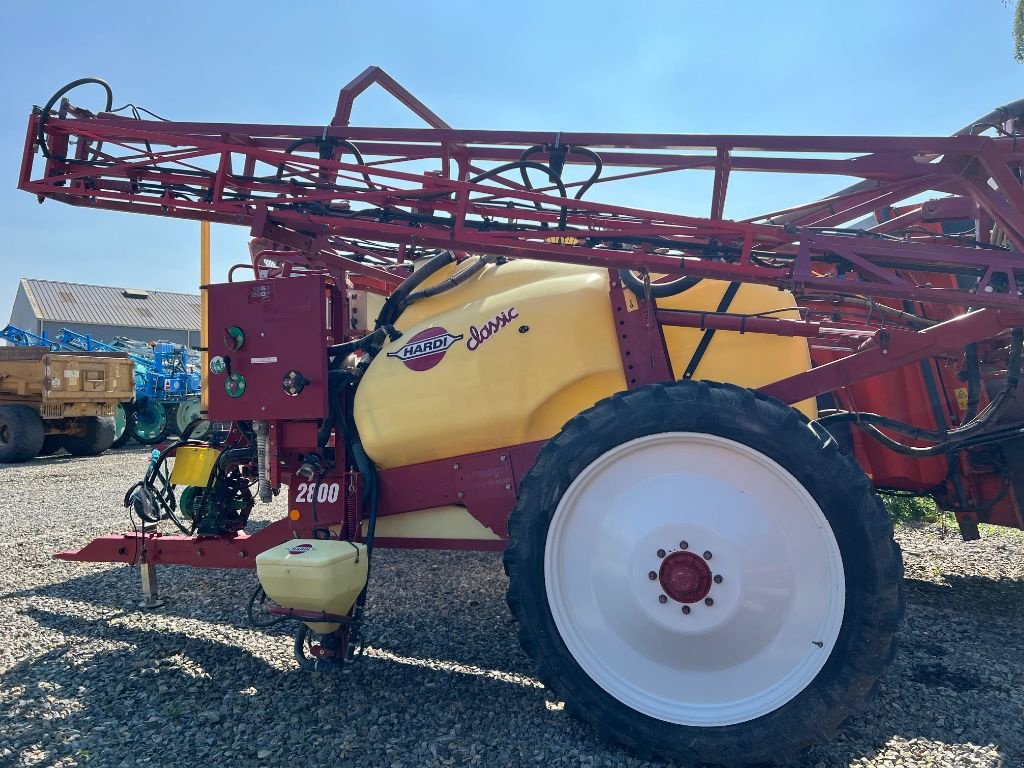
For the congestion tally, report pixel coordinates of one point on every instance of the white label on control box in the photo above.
(258, 360)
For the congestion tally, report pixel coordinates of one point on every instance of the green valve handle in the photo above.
(234, 338)
(234, 385)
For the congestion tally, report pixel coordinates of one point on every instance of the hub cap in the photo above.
(685, 577)
(694, 579)
(150, 420)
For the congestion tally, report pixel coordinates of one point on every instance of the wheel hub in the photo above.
(685, 577)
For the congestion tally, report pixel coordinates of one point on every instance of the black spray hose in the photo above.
(656, 290)
(593, 156)
(394, 304)
(402, 298)
(45, 113)
(843, 417)
(1005, 395)
(367, 469)
(326, 150)
(341, 351)
(250, 612)
(335, 381)
(523, 165)
(452, 282)
(953, 438)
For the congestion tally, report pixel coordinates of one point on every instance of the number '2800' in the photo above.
(322, 493)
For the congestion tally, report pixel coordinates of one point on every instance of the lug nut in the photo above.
(686, 609)
(662, 599)
(707, 554)
(718, 579)
(684, 545)
(652, 575)
(661, 553)
(708, 601)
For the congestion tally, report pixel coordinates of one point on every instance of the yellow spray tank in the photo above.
(520, 348)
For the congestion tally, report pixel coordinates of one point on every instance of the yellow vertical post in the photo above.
(204, 280)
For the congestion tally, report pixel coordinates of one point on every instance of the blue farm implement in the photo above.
(167, 385)
(18, 337)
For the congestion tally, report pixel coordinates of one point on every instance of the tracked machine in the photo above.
(674, 424)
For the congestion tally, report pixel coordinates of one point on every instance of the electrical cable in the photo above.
(136, 109)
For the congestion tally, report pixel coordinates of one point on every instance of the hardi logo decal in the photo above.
(425, 350)
(478, 336)
(260, 293)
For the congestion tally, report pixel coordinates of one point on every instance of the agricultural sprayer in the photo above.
(673, 424)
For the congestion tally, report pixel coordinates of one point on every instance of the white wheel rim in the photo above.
(775, 614)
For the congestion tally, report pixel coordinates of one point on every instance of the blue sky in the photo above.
(902, 67)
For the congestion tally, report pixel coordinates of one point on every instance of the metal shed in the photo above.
(45, 306)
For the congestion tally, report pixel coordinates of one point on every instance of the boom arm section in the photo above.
(365, 200)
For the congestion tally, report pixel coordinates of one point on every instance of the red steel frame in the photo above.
(314, 205)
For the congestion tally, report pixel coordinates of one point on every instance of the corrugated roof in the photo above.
(107, 305)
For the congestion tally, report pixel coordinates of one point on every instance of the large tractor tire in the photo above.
(124, 425)
(702, 577)
(97, 437)
(151, 423)
(21, 434)
(51, 444)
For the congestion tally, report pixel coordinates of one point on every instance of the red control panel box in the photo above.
(267, 353)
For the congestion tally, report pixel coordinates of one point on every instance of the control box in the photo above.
(267, 353)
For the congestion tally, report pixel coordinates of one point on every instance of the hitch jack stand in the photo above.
(147, 573)
(150, 597)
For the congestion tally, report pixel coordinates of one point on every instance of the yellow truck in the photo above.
(51, 400)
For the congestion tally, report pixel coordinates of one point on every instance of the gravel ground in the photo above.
(88, 679)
